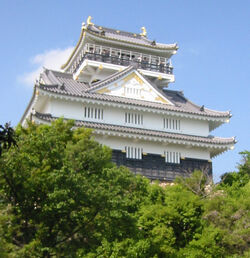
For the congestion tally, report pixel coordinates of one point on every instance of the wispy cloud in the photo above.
(52, 59)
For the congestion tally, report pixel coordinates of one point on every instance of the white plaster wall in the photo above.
(43, 104)
(72, 110)
(153, 148)
(75, 110)
(195, 127)
(155, 122)
(46, 107)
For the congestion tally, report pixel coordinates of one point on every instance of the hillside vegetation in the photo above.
(60, 196)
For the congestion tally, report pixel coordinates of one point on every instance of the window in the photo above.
(172, 124)
(132, 118)
(93, 113)
(133, 91)
(133, 152)
(172, 157)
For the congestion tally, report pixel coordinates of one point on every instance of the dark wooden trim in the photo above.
(154, 166)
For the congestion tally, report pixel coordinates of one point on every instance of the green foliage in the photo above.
(60, 193)
(171, 225)
(234, 180)
(7, 137)
(196, 183)
(60, 196)
(229, 213)
(207, 244)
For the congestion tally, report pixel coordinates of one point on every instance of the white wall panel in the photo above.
(153, 148)
(71, 110)
(111, 115)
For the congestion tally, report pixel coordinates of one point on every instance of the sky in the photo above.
(212, 65)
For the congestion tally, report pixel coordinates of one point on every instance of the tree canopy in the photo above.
(61, 196)
(6, 137)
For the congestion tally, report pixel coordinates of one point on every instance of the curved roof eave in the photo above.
(29, 105)
(170, 47)
(212, 110)
(47, 90)
(139, 131)
(74, 50)
(174, 47)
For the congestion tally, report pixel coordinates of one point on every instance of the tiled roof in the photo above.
(64, 84)
(134, 38)
(140, 131)
(111, 78)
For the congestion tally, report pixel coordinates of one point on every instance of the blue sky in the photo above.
(212, 65)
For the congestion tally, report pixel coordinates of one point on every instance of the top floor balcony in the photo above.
(122, 57)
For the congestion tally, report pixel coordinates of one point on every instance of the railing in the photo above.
(122, 57)
(162, 68)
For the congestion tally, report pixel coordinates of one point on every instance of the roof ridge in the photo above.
(62, 73)
(175, 91)
(113, 76)
(98, 29)
(115, 30)
(158, 46)
(53, 78)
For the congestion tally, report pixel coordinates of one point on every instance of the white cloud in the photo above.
(52, 59)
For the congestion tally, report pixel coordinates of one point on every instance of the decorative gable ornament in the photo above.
(132, 85)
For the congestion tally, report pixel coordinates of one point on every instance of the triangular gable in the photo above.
(132, 85)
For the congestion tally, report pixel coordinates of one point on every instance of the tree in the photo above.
(6, 137)
(238, 179)
(172, 224)
(198, 183)
(61, 195)
(168, 220)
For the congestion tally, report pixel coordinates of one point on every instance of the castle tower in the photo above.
(116, 83)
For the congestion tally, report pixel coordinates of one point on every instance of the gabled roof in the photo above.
(127, 74)
(64, 84)
(141, 131)
(130, 37)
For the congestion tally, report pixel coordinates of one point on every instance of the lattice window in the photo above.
(133, 152)
(172, 124)
(93, 113)
(172, 157)
(132, 118)
(134, 91)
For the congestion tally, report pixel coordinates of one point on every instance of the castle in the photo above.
(116, 83)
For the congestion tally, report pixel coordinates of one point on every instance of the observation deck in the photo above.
(94, 58)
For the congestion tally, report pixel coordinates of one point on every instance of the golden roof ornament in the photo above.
(144, 32)
(89, 21)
